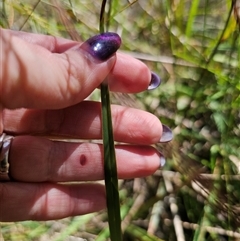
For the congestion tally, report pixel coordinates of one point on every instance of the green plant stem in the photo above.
(110, 167)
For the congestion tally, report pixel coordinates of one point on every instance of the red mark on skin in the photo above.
(83, 160)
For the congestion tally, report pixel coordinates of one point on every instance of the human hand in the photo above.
(44, 81)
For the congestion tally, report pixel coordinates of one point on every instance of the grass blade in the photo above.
(110, 167)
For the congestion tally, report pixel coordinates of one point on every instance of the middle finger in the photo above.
(83, 121)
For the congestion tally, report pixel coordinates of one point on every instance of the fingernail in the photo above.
(167, 134)
(155, 81)
(162, 160)
(102, 46)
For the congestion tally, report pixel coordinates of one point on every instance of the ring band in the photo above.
(5, 143)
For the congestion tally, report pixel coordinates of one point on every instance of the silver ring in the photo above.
(5, 143)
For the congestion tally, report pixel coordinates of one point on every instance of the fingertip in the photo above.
(129, 75)
(137, 161)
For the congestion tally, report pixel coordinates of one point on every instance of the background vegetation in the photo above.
(194, 46)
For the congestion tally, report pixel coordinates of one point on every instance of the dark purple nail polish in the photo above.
(102, 46)
(155, 81)
(167, 134)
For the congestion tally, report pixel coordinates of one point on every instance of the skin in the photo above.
(44, 81)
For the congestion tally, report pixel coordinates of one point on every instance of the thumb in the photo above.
(41, 72)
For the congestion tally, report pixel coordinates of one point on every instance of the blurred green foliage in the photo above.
(194, 46)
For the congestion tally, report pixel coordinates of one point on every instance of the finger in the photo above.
(84, 121)
(47, 72)
(34, 77)
(46, 201)
(34, 159)
(129, 75)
